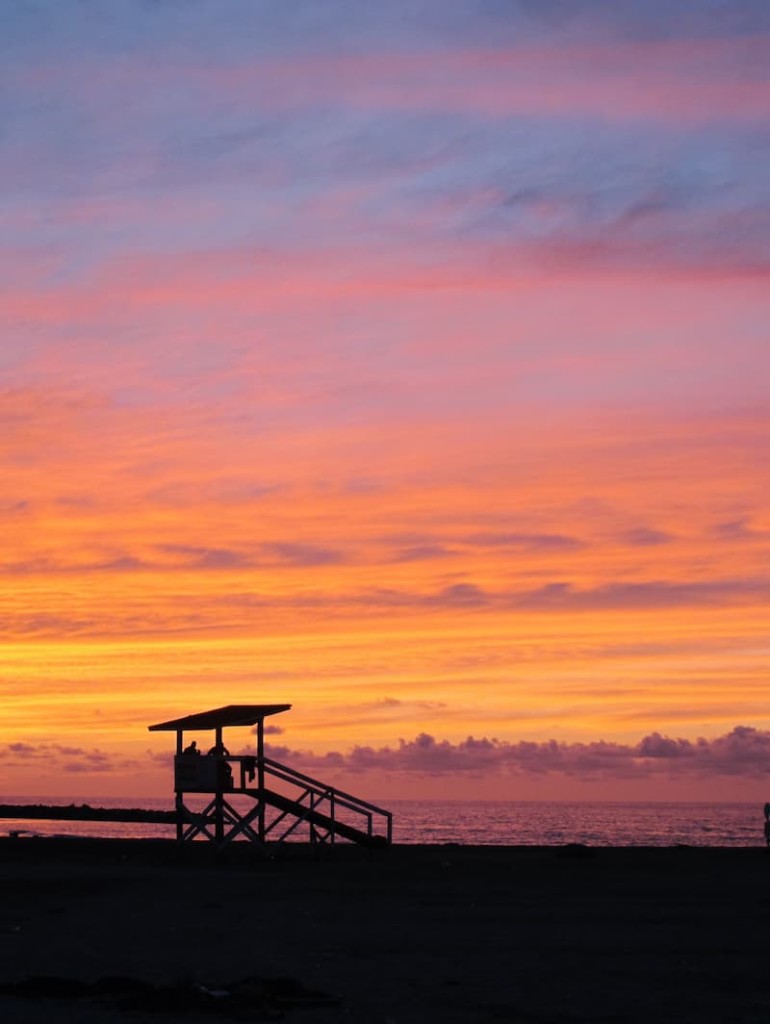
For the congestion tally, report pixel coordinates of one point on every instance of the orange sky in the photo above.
(420, 384)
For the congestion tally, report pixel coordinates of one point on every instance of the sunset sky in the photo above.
(405, 362)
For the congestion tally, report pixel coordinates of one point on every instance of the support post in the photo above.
(179, 796)
(261, 777)
(219, 810)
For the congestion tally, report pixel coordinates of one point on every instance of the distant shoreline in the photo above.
(85, 812)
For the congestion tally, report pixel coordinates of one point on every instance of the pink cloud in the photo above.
(744, 751)
(51, 758)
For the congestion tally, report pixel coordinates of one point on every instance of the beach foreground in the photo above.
(414, 933)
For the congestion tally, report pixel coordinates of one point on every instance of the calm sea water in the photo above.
(509, 823)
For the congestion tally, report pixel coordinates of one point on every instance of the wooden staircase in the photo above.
(297, 801)
(322, 825)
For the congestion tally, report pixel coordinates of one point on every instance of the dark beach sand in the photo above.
(449, 934)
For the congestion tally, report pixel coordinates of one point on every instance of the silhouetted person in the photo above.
(224, 771)
(191, 748)
(767, 824)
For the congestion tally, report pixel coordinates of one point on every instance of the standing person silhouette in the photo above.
(767, 824)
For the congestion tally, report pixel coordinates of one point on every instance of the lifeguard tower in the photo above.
(254, 798)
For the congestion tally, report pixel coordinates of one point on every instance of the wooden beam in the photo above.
(261, 777)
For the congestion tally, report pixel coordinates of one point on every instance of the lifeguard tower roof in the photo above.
(218, 718)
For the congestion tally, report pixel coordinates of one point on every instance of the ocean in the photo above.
(497, 823)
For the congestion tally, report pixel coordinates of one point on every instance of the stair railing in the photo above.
(315, 796)
(335, 797)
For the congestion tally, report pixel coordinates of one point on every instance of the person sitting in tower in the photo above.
(224, 771)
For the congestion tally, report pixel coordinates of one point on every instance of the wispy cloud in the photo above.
(50, 758)
(645, 536)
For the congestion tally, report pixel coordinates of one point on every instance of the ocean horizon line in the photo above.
(91, 799)
(471, 822)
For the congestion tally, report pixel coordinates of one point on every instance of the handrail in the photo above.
(317, 782)
(332, 794)
(336, 798)
(321, 790)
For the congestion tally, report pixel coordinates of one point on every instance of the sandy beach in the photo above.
(417, 933)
